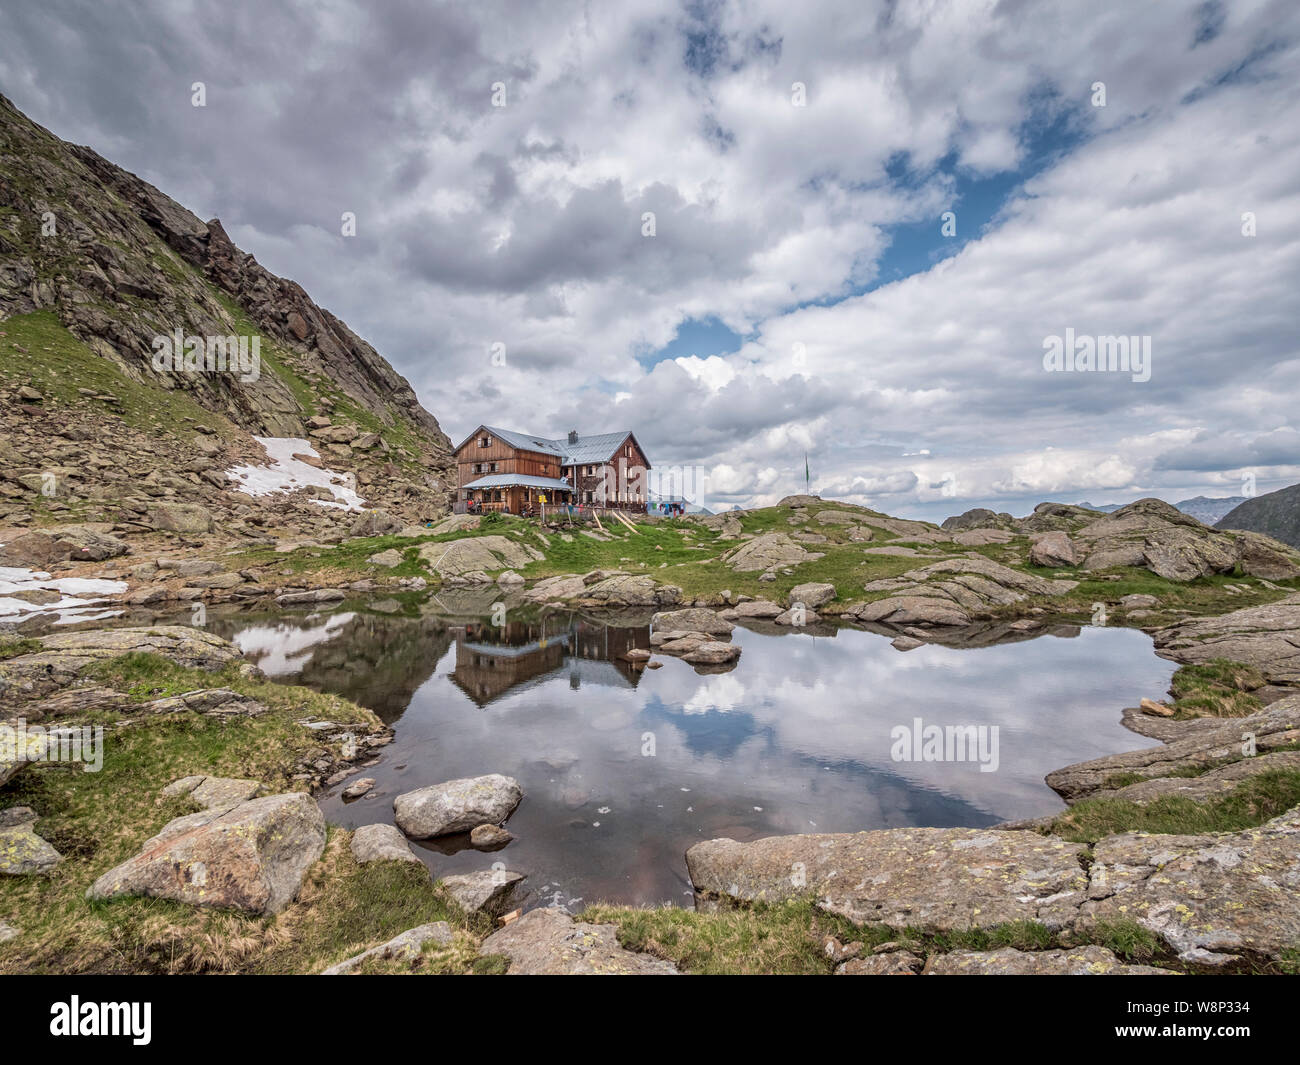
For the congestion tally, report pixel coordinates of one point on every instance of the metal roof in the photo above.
(588, 449)
(507, 480)
(592, 448)
(526, 441)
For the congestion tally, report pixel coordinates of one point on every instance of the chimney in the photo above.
(573, 436)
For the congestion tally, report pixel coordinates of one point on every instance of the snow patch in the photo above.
(286, 474)
(78, 596)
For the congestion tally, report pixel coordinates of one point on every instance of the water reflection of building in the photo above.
(493, 659)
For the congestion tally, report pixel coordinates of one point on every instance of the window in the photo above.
(494, 468)
(484, 441)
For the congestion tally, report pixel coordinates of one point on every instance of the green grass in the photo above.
(787, 938)
(1254, 801)
(1217, 688)
(780, 939)
(13, 646)
(57, 364)
(97, 820)
(1129, 940)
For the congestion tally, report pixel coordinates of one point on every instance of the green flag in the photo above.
(807, 480)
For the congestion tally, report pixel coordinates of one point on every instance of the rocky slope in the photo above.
(94, 265)
(1276, 514)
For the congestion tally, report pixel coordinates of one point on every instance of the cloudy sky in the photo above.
(722, 225)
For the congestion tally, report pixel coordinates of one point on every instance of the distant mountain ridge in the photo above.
(1276, 514)
(1209, 509)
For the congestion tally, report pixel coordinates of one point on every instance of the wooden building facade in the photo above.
(517, 473)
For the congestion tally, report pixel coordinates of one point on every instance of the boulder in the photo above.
(408, 946)
(1053, 549)
(934, 879)
(180, 517)
(456, 805)
(692, 619)
(250, 857)
(630, 591)
(1138, 601)
(766, 552)
(489, 891)
(1262, 556)
(376, 523)
(39, 548)
(707, 652)
(17, 754)
(358, 788)
(477, 553)
(837, 517)
(210, 792)
(758, 608)
(487, 837)
(309, 598)
(390, 558)
(913, 610)
(24, 853)
(381, 843)
(979, 518)
(548, 942)
(811, 595)
(982, 537)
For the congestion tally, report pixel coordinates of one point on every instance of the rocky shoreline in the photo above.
(253, 843)
(1212, 901)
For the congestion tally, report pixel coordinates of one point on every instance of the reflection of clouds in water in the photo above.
(1054, 702)
(795, 739)
(286, 647)
(721, 691)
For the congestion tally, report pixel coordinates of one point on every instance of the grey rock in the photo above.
(490, 836)
(456, 805)
(381, 843)
(250, 857)
(489, 891)
(551, 943)
(408, 946)
(24, 853)
(1275, 726)
(1079, 961)
(812, 595)
(692, 619)
(1211, 897)
(937, 879)
(211, 792)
